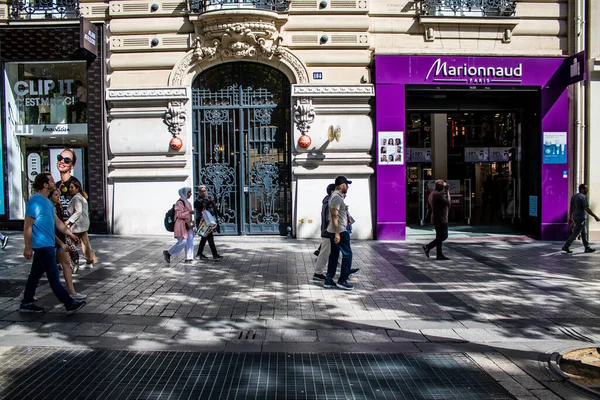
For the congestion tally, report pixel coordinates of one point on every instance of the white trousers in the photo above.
(183, 243)
(323, 259)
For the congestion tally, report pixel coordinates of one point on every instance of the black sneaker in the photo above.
(329, 284)
(425, 250)
(589, 250)
(218, 257)
(566, 249)
(4, 242)
(442, 258)
(188, 261)
(353, 271)
(167, 256)
(345, 285)
(31, 308)
(75, 306)
(319, 277)
(201, 257)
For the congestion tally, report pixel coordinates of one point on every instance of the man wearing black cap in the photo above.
(339, 237)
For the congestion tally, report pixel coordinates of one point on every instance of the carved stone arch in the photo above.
(226, 38)
(186, 70)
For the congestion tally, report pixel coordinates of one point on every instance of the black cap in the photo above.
(341, 179)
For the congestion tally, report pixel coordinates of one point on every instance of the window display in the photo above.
(47, 98)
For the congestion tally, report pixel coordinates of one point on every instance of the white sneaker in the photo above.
(4, 242)
(78, 296)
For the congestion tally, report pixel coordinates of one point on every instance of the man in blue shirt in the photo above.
(578, 216)
(38, 233)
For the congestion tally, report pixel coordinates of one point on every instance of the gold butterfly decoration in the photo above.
(334, 133)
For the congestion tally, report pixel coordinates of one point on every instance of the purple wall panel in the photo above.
(555, 184)
(391, 179)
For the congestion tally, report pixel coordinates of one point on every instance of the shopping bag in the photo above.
(204, 229)
(209, 218)
(207, 224)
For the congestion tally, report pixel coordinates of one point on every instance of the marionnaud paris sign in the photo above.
(443, 71)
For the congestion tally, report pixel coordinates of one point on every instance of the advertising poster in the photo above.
(419, 154)
(499, 154)
(77, 170)
(476, 154)
(555, 147)
(391, 148)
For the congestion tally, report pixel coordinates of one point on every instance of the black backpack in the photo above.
(170, 219)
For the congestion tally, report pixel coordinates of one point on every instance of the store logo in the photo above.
(55, 129)
(464, 74)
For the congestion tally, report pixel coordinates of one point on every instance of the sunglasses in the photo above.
(66, 160)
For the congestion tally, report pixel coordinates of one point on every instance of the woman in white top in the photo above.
(79, 220)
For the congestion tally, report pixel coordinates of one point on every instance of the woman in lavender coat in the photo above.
(184, 227)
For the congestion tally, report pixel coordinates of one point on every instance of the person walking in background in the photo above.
(79, 220)
(439, 201)
(38, 234)
(578, 212)
(325, 247)
(184, 228)
(339, 237)
(62, 255)
(65, 163)
(206, 203)
(3, 241)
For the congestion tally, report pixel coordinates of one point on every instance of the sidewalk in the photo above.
(501, 306)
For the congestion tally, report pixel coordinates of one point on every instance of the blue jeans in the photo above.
(44, 260)
(579, 228)
(344, 247)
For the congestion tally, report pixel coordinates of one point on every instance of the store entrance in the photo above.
(475, 141)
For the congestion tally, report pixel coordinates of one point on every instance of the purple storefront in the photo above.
(497, 128)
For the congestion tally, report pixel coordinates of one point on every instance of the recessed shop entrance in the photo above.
(485, 143)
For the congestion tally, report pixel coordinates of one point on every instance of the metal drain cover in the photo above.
(51, 373)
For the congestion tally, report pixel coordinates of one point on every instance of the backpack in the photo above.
(170, 219)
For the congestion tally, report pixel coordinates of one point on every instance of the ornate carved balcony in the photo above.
(204, 6)
(44, 9)
(467, 8)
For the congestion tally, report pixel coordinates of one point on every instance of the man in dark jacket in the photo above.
(439, 201)
(325, 247)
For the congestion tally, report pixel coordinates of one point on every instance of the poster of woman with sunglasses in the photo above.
(64, 164)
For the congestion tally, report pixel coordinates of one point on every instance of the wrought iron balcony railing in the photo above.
(468, 8)
(44, 9)
(203, 6)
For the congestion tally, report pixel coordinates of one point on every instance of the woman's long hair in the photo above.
(57, 206)
(75, 182)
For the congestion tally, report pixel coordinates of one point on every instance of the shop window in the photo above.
(45, 110)
(46, 98)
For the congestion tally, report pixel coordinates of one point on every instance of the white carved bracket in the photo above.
(304, 114)
(175, 117)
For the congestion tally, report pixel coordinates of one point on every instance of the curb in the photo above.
(554, 363)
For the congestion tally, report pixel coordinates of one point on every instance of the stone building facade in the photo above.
(239, 85)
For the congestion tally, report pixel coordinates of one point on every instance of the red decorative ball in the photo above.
(176, 143)
(304, 141)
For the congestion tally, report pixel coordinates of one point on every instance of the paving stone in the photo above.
(90, 329)
(120, 330)
(335, 336)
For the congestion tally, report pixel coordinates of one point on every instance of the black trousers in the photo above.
(211, 243)
(441, 234)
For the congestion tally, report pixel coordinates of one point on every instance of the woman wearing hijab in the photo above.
(184, 227)
(79, 220)
(205, 202)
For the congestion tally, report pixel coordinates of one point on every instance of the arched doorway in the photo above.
(241, 124)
